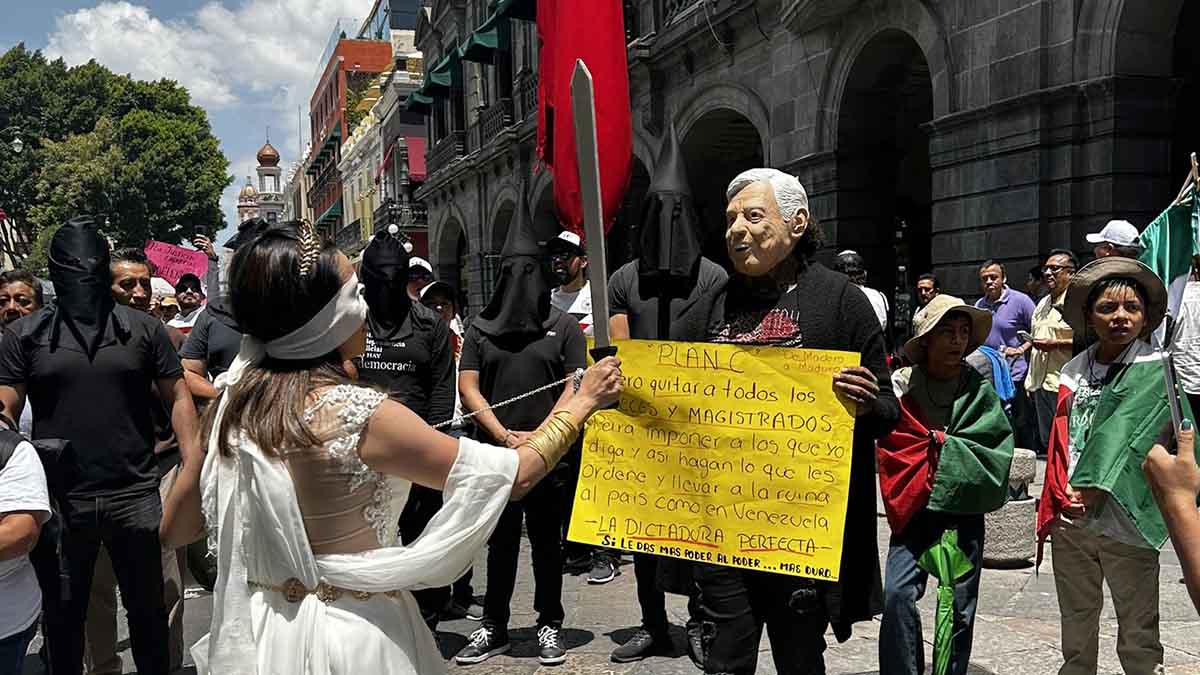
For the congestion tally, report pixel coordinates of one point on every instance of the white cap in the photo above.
(420, 262)
(570, 238)
(1118, 233)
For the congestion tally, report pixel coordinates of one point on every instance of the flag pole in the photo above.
(1190, 184)
(1190, 187)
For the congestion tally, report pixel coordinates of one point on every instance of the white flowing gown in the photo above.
(257, 528)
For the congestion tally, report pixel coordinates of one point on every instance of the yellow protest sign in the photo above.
(726, 454)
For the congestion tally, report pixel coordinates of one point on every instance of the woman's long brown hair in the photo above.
(271, 298)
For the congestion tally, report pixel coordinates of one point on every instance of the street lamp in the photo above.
(17, 145)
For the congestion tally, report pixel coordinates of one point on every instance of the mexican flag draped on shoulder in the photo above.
(1108, 416)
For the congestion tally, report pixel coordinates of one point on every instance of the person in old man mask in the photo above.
(780, 296)
(409, 355)
(88, 365)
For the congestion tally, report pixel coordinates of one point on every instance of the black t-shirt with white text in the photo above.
(104, 407)
(510, 365)
(415, 365)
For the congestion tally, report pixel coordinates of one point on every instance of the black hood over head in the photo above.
(521, 301)
(78, 264)
(384, 272)
(670, 241)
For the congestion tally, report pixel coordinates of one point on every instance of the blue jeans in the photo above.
(901, 651)
(12, 650)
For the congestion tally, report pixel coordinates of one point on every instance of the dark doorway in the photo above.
(719, 146)
(883, 173)
(1186, 70)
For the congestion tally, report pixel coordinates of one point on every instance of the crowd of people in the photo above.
(331, 430)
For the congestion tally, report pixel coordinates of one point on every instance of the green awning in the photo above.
(525, 10)
(418, 103)
(445, 75)
(495, 34)
(332, 213)
(480, 47)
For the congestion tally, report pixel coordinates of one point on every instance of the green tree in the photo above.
(136, 153)
(80, 174)
(27, 91)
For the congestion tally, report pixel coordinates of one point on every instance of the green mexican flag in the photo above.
(1130, 416)
(1170, 243)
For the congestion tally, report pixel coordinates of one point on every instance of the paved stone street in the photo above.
(1016, 630)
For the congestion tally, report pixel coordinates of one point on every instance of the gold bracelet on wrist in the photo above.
(553, 439)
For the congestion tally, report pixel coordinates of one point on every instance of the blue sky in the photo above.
(249, 63)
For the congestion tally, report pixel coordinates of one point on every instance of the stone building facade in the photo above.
(930, 134)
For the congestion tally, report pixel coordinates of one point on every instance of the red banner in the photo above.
(594, 31)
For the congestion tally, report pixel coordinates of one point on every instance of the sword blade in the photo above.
(583, 107)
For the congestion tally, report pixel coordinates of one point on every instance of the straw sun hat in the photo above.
(1075, 305)
(932, 314)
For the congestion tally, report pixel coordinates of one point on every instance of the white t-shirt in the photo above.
(879, 303)
(576, 303)
(185, 322)
(1187, 340)
(22, 488)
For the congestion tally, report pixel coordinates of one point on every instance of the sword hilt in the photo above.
(599, 353)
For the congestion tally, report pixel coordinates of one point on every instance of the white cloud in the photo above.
(260, 53)
(254, 60)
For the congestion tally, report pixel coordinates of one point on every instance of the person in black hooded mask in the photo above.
(88, 366)
(409, 355)
(518, 344)
(667, 293)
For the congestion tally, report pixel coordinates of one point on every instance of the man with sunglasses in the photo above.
(1052, 343)
(569, 263)
(189, 294)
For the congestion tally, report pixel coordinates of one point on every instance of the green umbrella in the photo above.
(947, 563)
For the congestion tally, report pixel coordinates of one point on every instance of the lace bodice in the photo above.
(347, 507)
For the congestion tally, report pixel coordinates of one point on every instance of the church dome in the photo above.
(268, 155)
(248, 193)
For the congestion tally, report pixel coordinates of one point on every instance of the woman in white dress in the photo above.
(306, 475)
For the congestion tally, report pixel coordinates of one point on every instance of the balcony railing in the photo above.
(407, 215)
(491, 121)
(447, 150)
(349, 235)
(527, 93)
(495, 118)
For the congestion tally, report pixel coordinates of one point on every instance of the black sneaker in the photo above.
(550, 651)
(474, 611)
(578, 564)
(486, 642)
(642, 644)
(455, 610)
(604, 569)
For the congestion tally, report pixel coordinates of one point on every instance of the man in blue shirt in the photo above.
(1012, 312)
